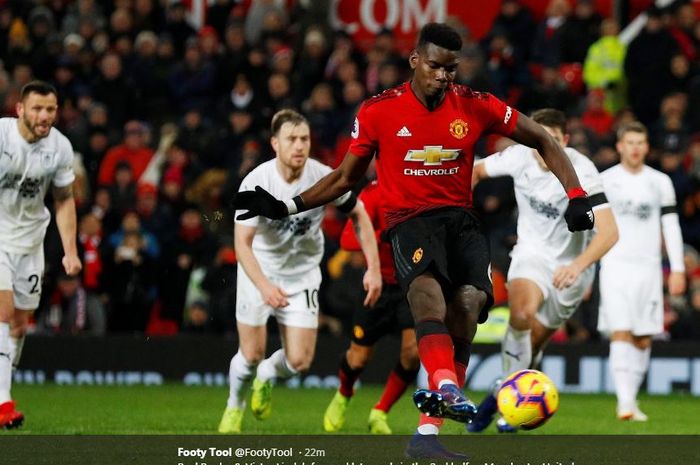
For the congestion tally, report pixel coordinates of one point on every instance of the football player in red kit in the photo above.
(422, 134)
(389, 315)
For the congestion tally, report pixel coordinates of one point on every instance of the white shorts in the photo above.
(302, 294)
(631, 298)
(22, 274)
(558, 304)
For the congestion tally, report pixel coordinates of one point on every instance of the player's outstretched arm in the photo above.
(364, 231)
(579, 215)
(330, 187)
(243, 244)
(605, 237)
(478, 173)
(67, 227)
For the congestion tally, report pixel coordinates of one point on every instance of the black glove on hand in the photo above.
(259, 202)
(579, 214)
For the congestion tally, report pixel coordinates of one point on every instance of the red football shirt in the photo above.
(425, 158)
(371, 198)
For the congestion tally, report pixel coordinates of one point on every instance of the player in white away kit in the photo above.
(279, 270)
(631, 289)
(33, 158)
(551, 268)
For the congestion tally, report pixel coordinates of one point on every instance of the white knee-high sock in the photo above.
(639, 366)
(16, 346)
(620, 367)
(275, 366)
(516, 350)
(5, 363)
(239, 372)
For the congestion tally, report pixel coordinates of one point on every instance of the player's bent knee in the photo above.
(299, 364)
(522, 316)
(470, 299)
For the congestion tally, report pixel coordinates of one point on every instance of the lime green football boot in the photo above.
(334, 418)
(231, 421)
(378, 422)
(261, 399)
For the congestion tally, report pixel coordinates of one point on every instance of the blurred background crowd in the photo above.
(166, 120)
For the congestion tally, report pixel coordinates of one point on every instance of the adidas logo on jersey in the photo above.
(404, 132)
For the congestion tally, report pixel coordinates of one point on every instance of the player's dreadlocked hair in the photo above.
(286, 115)
(38, 87)
(551, 118)
(441, 35)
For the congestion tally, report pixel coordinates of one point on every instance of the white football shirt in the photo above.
(542, 201)
(637, 200)
(293, 245)
(26, 173)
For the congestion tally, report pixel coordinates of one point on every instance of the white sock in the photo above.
(428, 429)
(537, 360)
(16, 346)
(516, 350)
(638, 366)
(620, 367)
(239, 372)
(5, 363)
(276, 366)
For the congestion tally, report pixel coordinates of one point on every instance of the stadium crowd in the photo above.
(166, 121)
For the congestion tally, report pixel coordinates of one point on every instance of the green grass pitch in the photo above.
(176, 409)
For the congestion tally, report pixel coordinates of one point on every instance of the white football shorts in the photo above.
(22, 274)
(631, 298)
(558, 304)
(302, 294)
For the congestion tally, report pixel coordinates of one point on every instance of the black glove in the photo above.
(259, 202)
(579, 214)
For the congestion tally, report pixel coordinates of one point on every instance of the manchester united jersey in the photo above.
(425, 158)
(372, 200)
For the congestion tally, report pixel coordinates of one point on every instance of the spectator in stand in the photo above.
(603, 67)
(505, 70)
(123, 189)
(72, 310)
(595, 116)
(220, 282)
(648, 67)
(683, 21)
(550, 91)
(546, 49)
(131, 224)
(579, 32)
(196, 135)
(149, 75)
(191, 248)
(133, 150)
(312, 62)
(470, 70)
(321, 112)
(516, 21)
(192, 80)
(89, 243)
(177, 27)
(154, 216)
(234, 56)
(129, 273)
(229, 144)
(113, 88)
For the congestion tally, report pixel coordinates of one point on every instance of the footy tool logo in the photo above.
(459, 128)
(417, 255)
(432, 155)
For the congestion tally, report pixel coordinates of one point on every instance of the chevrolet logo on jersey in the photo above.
(432, 155)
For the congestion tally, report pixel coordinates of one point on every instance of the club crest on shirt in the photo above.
(459, 128)
(417, 255)
(47, 158)
(358, 332)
